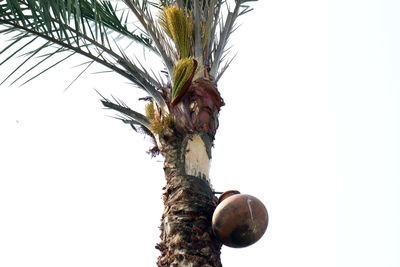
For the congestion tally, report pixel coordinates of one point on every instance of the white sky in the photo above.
(311, 127)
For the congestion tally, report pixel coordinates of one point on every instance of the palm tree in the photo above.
(183, 102)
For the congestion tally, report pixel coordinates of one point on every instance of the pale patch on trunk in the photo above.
(197, 162)
(167, 227)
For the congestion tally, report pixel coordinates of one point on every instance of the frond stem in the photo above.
(198, 47)
(146, 25)
(136, 116)
(230, 20)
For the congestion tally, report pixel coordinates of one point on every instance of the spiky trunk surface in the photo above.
(189, 202)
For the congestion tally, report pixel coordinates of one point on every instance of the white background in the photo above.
(311, 127)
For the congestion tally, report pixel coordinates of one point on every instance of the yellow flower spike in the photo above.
(183, 71)
(163, 125)
(178, 27)
(149, 109)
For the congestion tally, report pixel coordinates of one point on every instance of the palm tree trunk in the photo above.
(189, 202)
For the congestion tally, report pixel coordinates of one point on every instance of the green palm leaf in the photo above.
(82, 26)
(91, 28)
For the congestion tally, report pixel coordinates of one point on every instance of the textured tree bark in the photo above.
(186, 234)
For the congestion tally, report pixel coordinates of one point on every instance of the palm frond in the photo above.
(48, 68)
(31, 55)
(80, 26)
(142, 13)
(79, 75)
(18, 49)
(226, 30)
(131, 115)
(197, 22)
(45, 58)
